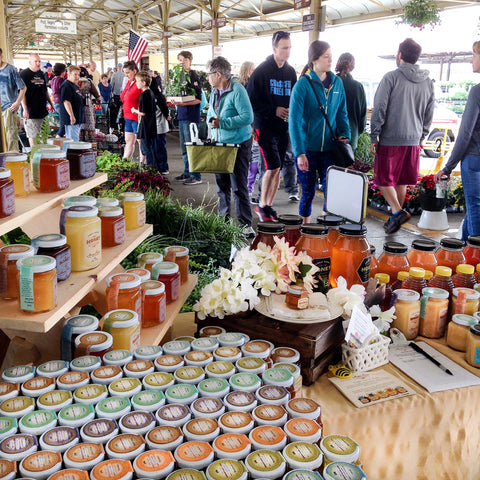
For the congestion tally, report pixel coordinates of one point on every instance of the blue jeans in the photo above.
(184, 133)
(73, 131)
(289, 172)
(147, 147)
(317, 162)
(470, 168)
(61, 128)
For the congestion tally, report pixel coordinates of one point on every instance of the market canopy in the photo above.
(100, 28)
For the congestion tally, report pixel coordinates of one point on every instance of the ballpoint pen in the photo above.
(427, 355)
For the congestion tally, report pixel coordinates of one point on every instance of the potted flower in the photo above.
(419, 13)
(429, 200)
(177, 88)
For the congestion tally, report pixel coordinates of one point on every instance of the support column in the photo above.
(316, 8)
(215, 36)
(100, 41)
(115, 45)
(164, 11)
(165, 62)
(90, 53)
(4, 39)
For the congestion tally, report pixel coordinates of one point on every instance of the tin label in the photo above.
(236, 419)
(240, 399)
(137, 420)
(100, 428)
(125, 443)
(41, 461)
(164, 434)
(89, 392)
(208, 405)
(60, 436)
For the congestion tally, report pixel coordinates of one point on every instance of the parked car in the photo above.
(443, 119)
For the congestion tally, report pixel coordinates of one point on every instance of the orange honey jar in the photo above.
(9, 255)
(113, 226)
(7, 193)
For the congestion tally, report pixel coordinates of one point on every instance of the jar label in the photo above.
(193, 451)
(41, 461)
(175, 288)
(202, 426)
(37, 156)
(53, 366)
(339, 445)
(137, 420)
(125, 443)
(124, 385)
(63, 175)
(139, 366)
(323, 265)
(141, 214)
(92, 247)
(244, 380)
(236, 419)
(7, 424)
(227, 351)
(56, 397)
(198, 356)
(85, 361)
(413, 323)
(26, 180)
(302, 427)
(88, 165)
(189, 373)
(213, 385)
(111, 469)
(154, 461)
(269, 412)
(476, 357)
(265, 460)
(18, 371)
(173, 412)
(303, 452)
(17, 404)
(8, 199)
(148, 350)
(272, 393)
(71, 378)
(205, 342)
(100, 428)
(84, 452)
(240, 399)
(231, 442)
(303, 405)
(90, 391)
(164, 434)
(76, 411)
(27, 299)
(18, 444)
(256, 346)
(181, 391)
(64, 265)
(59, 436)
(158, 379)
(169, 360)
(38, 383)
(363, 270)
(208, 405)
(148, 398)
(220, 368)
(40, 418)
(267, 435)
(117, 355)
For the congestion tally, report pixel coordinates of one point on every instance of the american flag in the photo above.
(136, 46)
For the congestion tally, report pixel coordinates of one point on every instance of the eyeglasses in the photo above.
(211, 73)
(278, 35)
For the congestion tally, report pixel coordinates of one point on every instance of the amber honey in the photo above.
(124, 292)
(51, 171)
(20, 169)
(422, 254)
(154, 303)
(266, 233)
(9, 255)
(7, 193)
(450, 254)
(168, 273)
(393, 259)
(178, 255)
(113, 226)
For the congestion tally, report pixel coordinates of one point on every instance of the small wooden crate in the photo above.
(318, 343)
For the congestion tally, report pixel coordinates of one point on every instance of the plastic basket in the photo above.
(366, 358)
(211, 158)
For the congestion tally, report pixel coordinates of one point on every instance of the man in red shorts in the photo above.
(401, 118)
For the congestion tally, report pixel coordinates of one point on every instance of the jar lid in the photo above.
(82, 323)
(475, 329)
(85, 363)
(443, 271)
(353, 230)
(164, 268)
(452, 244)
(227, 468)
(81, 211)
(424, 245)
(131, 197)
(81, 200)
(50, 154)
(50, 240)
(107, 202)
(407, 295)
(17, 251)
(148, 258)
(383, 277)
(330, 220)
(117, 357)
(465, 320)
(38, 263)
(296, 289)
(109, 211)
(79, 146)
(416, 272)
(14, 157)
(121, 318)
(153, 287)
(76, 414)
(270, 227)
(278, 376)
(313, 229)
(473, 240)
(179, 250)
(402, 275)
(433, 292)
(289, 220)
(465, 268)
(471, 294)
(97, 341)
(124, 280)
(394, 247)
(90, 394)
(5, 172)
(46, 146)
(148, 352)
(51, 141)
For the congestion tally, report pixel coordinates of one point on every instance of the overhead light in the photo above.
(68, 15)
(79, 2)
(48, 35)
(58, 23)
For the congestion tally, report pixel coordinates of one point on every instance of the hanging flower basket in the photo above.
(420, 13)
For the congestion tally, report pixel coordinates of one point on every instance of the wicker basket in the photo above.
(366, 358)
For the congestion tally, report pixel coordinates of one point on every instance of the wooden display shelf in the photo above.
(72, 290)
(154, 335)
(33, 207)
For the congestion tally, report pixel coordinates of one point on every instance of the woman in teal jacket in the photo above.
(231, 115)
(310, 136)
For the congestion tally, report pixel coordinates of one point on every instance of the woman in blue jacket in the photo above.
(231, 114)
(310, 136)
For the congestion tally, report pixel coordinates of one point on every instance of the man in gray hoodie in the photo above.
(402, 114)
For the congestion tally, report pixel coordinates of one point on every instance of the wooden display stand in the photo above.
(35, 338)
(318, 343)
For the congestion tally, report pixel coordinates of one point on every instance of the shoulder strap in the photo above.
(321, 106)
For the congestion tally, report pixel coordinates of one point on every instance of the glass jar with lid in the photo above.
(415, 280)
(443, 279)
(422, 254)
(124, 292)
(450, 254)
(82, 228)
(314, 242)
(472, 353)
(266, 231)
(73, 327)
(154, 303)
(472, 250)
(407, 312)
(465, 300)
(133, 204)
(393, 259)
(148, 260)
(80, 200)
(457, 331)
(93, 343)
(50, 170)
(351, 256)
(433, 312)
(124, 326)
(168, 273)
(332, 222)
(292, 227)
(9, 255)
(55, 245)
(113, 226)
(179, 255)
(107, 202)
(20, 173)
(7, 193)
(464, 276)
(82, 160)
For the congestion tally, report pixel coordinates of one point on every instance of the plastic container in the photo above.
(133, 204)
(20, 173)
(54, 400)
(72, 380)
(158, 381)
(443, 279)
(137, 423)
(59, 439)
(15, 447)
(472, 353)
(464, 300)
(226, 469)
(148, 400)
(206, 407)
(50, 170)
(113, 226)
(169, 274)
(40, 465)
(433, 312)
(154, 306)
(84, 456)
(314, 242)
(125, 387)
(93, 343)
(164, 438)
(37, 386)
(173, 415)
(112, 470)
(339, 448)
(201, 430)
(266, 464)
(154, 464)
(138, 368)
(220, 369)
(292, 227)
(37, 422)
(86, 363)
(124, 326)
(83, 229)
(458, 330)
(422, 254)
(236, 422)
(266, 233)
(267, 437)
(233, 446)
(90, 394)
(238, 401)
(303, 455)
(415, 280)
(450, 254)
(333, 223)
(126, 446)
(9, 255)
(100, 430)
(118, 357)
(76, 415)
(37, 283)
(303, 430)
(181, 393)
(169, 363)
(113, 408)
(464, 276)
(472, 250)
(196, 455)
(407, 311)
(274, 415)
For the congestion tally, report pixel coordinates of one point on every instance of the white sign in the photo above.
(47, 25)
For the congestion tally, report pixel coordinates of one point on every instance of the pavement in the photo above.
(205, 194)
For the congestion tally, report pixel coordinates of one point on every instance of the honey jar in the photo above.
(133, 204)
(422, 254)
(154, 303)
(50, 170)
(296, 297)
(82, 160)
(433, 312)
(393, 259)
(74, 326)
(450, 254)
(472, 353)
(149, 259)
(7, 193)
(407, 312)
(20, 173)
(107, 202)
(457, 331)
(80, 200)
(143, 273)
(113, 226)
(178, 255)
(93, 343)
(465, 300)
(37, 283)
(332, 222)
(266, 233)
(124, 327)
(124, 292)
(292, 228)
(82, 228)
(55, 245)
(9, 255)
(169, 274)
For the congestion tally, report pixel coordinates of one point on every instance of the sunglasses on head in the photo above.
(278, 35)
